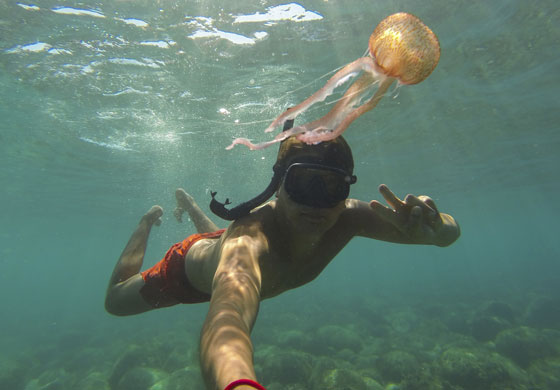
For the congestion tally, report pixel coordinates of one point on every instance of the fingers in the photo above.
(414, 222)
(384, 212)
(391, 198)
(427, 200)
(423, 202)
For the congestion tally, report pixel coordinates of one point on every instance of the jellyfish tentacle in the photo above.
(249, 144)
(351, 99)
(350, 70)
(279, 138)
(314, 136)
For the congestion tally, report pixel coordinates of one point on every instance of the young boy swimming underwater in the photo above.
(268, 248)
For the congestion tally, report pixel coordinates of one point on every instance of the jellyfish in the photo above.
(401, 49)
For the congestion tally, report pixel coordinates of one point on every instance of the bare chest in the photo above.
(287, 267)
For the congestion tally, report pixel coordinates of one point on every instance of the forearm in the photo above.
(226, 351)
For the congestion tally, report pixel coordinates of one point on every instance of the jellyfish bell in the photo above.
(404, 48)
(401, 48)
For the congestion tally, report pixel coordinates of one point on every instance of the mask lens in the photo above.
(316, 185)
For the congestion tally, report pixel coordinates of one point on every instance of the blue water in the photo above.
(108, 107)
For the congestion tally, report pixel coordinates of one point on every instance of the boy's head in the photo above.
(335, 153)
(317, 176)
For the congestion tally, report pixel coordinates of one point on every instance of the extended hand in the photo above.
(416, 218)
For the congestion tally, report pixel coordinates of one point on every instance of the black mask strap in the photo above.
(245, 208)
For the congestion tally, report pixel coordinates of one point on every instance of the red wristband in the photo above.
(247, 382)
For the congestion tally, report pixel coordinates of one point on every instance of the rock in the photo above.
(473, 369)
(133, 357)
(333, 338)
(33, 384)
(372, 384)
(546, 373)
(346, 354)
(524, 345)
(94, 381)
(493, 318)
(12, 375)
(457, 322)
(422, 379)
(279, 386)
(186, 378)
(395, 365)
(500, 310)
(544, 312)
(140, 378)
(321, 366)
(54, 379)
(340, 378)
(486, 328)
(292, 339)
(285, 367)
(403, 321)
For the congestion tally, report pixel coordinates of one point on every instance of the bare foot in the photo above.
(153, 215)
(183, 198)
(184, 202)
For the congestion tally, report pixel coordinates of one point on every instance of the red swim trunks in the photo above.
(166, 283)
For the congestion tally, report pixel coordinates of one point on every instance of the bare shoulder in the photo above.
(252, 225)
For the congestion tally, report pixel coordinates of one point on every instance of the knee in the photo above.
(111, 305)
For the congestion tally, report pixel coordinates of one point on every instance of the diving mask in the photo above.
(317, 185)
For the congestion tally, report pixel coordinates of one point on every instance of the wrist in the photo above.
(244, 383)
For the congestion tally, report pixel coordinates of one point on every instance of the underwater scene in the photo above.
(108, 107)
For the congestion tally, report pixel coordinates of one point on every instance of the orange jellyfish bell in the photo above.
(405, 48)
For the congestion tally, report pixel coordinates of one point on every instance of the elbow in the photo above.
(110, 307)
(243, 284)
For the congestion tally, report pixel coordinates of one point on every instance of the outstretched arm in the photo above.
(226, 352)
(414, 220)
(185, 202)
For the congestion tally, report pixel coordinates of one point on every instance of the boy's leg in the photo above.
(185, 202)
(123, 293)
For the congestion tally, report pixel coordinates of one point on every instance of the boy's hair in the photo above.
(335, 153)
